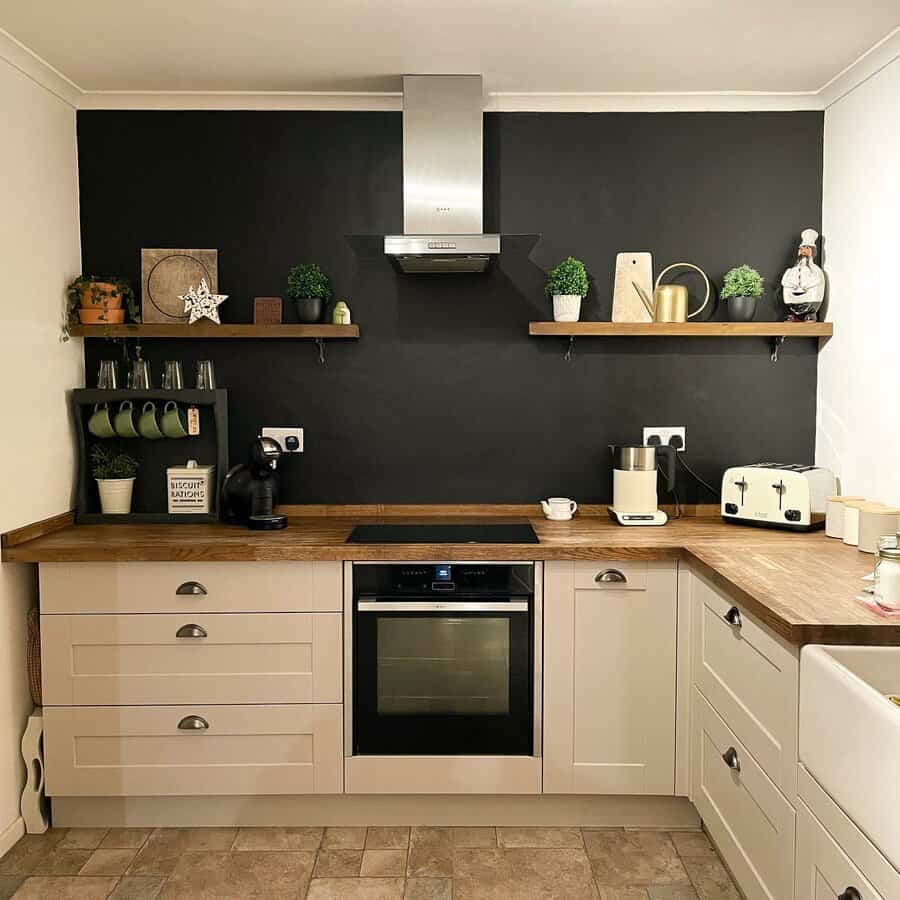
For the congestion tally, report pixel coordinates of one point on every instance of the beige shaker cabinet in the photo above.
(610, 635)
(192, 679)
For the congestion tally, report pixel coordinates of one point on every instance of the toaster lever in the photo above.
(779, 489)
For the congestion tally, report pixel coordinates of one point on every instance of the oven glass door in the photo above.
(443, 682)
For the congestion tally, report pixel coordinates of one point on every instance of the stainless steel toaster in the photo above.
(777, 495)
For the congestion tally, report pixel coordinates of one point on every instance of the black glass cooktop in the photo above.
(499, 533)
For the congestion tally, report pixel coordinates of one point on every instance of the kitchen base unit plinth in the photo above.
(443, 774)
(666, 813)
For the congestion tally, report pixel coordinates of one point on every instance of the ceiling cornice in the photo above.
(44, 74)
(860, 71)
(494, 101)
(38, 70)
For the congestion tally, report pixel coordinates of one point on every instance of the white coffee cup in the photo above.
(560, 509)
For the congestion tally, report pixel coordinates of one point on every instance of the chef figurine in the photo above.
(804, 283)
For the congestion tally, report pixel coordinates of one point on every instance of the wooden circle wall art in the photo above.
(168, 274)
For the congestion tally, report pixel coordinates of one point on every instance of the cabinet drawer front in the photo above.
(752, 680)
(191, 587)
(134, 751)
(219, 658)
(824, 871)
(748, 817)
(608, 575)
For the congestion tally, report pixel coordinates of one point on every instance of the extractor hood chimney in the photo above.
(443, 181)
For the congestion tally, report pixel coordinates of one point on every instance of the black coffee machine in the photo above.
(250, 491)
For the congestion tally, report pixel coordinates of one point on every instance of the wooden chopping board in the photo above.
(631, 269)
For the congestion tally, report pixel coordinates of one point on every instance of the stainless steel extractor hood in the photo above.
(443, 180)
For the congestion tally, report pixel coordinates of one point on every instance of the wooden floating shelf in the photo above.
(682, 329)
(226, 330)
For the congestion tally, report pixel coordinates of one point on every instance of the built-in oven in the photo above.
(445, 659)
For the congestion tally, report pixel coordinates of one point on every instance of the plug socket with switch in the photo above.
(673, 436)
(289, 439)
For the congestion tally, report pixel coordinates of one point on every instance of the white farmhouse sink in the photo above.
(850, 735)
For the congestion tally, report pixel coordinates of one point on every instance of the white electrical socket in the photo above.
(282, 434)
(663, 435)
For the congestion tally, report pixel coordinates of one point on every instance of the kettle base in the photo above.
(626, 518)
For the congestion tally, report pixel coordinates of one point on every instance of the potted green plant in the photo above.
(567, 284)
(742, 287)
(100, 300)
(310, 289)
(115, 472)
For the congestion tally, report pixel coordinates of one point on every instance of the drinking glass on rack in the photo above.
(206, 375)
(139, 376)
(173, 379)
(108, 377)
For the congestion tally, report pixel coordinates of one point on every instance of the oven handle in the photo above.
(438, 606)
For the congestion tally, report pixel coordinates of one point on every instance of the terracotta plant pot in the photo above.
(100, 294)
(99, 315)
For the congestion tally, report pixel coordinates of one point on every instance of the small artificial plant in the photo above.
(742, 281)
(308, 280)
(100, 288)
(569, 277)
(112, 463)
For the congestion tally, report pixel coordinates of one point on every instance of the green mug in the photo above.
(100, 425)
(173, 424)
(148, 423)
(124, 421)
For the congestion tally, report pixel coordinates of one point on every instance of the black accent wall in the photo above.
(445, 398)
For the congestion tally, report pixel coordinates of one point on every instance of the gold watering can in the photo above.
(670, 301)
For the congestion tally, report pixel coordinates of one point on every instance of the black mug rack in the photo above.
(150, 498)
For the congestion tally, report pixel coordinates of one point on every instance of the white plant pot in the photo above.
(566, 307)
(115, 495)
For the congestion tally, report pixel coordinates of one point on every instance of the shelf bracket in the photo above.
(569, 348)
(776, 343)
(320, 343)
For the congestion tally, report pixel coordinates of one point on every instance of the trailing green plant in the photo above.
(109, 462)
(742, 281)
(73, 295)
(569, 277)
(308, 280)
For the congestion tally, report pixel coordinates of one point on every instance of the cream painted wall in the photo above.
(40, 254)
(858, 417)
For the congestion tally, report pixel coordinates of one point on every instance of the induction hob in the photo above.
(494, 533)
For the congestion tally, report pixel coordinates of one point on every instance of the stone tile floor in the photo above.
(384, 863)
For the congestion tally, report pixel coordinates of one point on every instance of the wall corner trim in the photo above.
(11, 835)
(861, 70)
(38, 70)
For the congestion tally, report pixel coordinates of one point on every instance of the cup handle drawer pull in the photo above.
(191, 631)
(610, 576)
(190, 589)
(193, 723)
(733, 617)
(731, 759)
(850, 894)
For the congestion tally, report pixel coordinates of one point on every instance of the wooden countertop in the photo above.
(801, 585)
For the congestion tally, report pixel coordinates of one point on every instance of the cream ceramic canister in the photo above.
(834, 515)
(876, 521)
(851, 521)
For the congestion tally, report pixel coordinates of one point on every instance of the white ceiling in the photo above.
(527, 46)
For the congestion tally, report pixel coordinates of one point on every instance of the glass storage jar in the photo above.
(887, 572)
